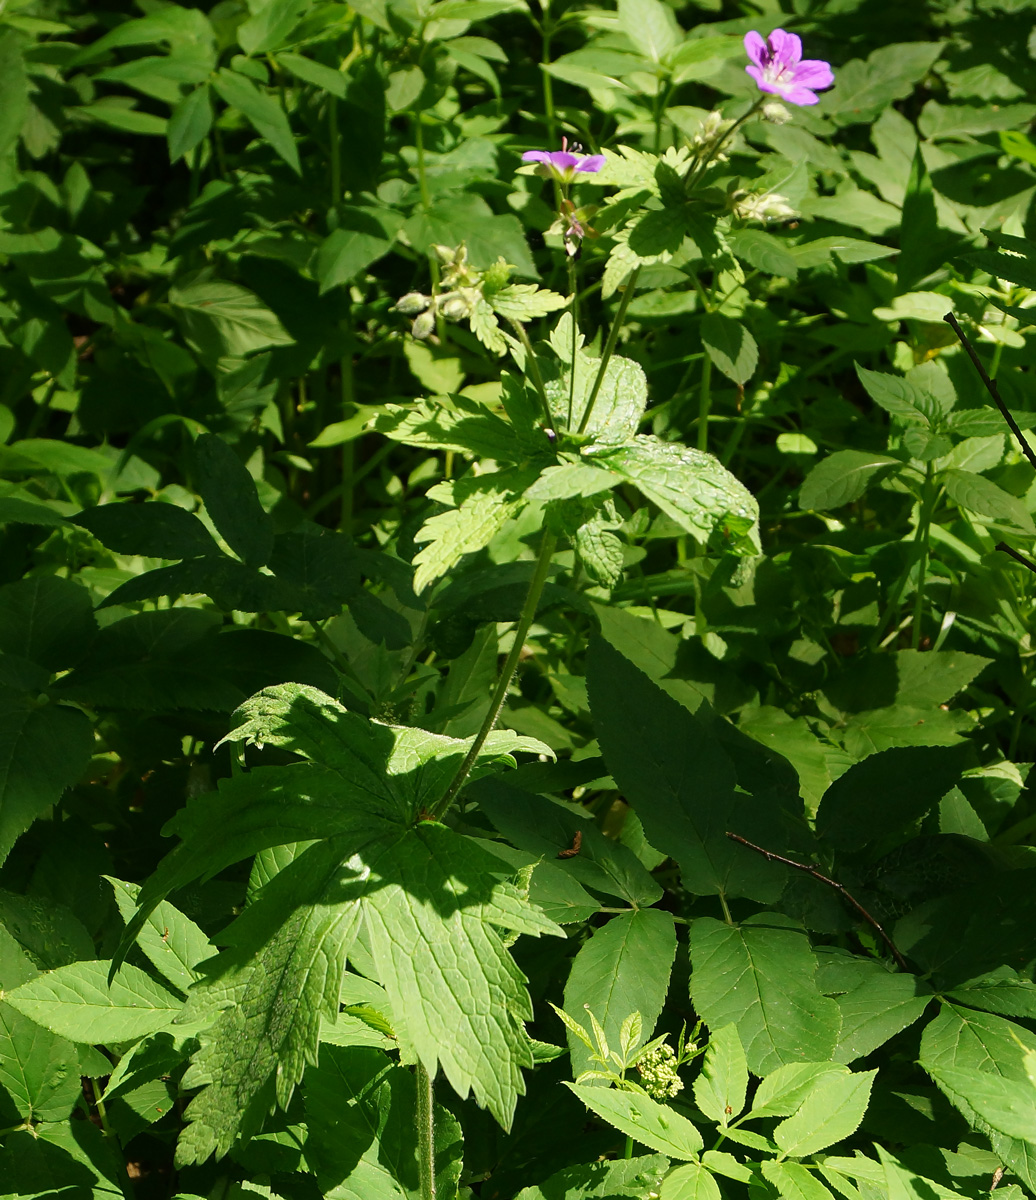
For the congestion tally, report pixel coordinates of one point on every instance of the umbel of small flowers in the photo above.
(778, 67)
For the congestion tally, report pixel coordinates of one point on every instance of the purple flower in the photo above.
(778, 67)
(563, 164)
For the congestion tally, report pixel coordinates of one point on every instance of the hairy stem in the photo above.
(496, 704)
(532, 367)
(613, 337)
(425, 1132)
(574, 312)
(924, 525)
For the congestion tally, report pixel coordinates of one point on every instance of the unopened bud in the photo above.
(412, 302)
(423, 326)
(455, 307)
(776, 113)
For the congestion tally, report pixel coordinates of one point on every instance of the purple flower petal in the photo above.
(756, 48)
(764, 84)
(536, 156)
(786, 48)
(797, 94)
(563, 160)
(591, 164)
(813, 73)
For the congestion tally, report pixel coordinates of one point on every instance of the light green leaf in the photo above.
(692, 488)
(643, 1119)
(363, 236)
(764, 251)
(1005, 1105)
(453, 423)
(427, 893)
(782, 1091)
(525, 302)
(266, 116)
(270, 23)
(572, 479)
(759, 975)
(900, 397)
(77, 1002)
(173, 943)
(841, 478)
(881, 1006)
(328, 79)
(623, 968)
(636, 1178)
(983, 496)
(651, 26)
(692, 1181)
(730, 346)
(793, 1181)
(721, 1088)
(482, 506)
(38, 1069)
(621, 400)
(221, 319)
(599, 550)
(831, 1111)
(189, 123)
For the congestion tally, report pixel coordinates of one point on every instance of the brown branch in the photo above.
(991, 388)
(1018, 557)
(832, 883)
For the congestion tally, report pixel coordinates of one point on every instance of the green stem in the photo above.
(425, 1132)
(345, 520)
(102, 1112)
(924, 525)
(548, 83)
(336, 150)
(704, 403)
(496, 704)
(629, 1147)
(574, 311)
(532, 368)
(613, 337)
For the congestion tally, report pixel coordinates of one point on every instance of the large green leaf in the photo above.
(264, 113)
(78, 1003)
(679, 779)
(651, 27)
(692, 488)
(645, 1120)
(983, 496)
(231, 500)
(759, 975)
(46, 619)
(427, 894)
(831, 1111)
(38, 1069)
(721, 1088)
(43, 750)
(456, 423)
(878, 1008)
(156, 530)
(172, 942)
(623, 968)
(360, 1122)
(1005, 1105)
(222, 319)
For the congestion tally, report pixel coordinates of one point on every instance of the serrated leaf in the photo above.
(483, 504)
(721, 1088)
(171, 941)
(900, 397)
(525, 302)
(794, 1181)
(782, 1091)
(263, 112)
(643, 1119)
(453, 423)
(651, 26)
(427, 893)
(623, 968)
(759, 975)
(881, 1006)
(76, 1002)
(621, 399)
(570, 479)
(222, 319)
(731, 347)
(43, 750)
(637, 1178)
(766, 252)
(831, 1111)
(156, 530)
(693, 1181)
(38, 1069)
(841, 478)
(983, 496)
(692, 488)
(600, 551)
(1005, 1105)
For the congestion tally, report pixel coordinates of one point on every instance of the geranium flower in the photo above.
(565, 164)
(778, 68)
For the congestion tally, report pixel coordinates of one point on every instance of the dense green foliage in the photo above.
(416, 565)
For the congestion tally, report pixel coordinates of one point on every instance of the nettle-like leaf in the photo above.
(481, 505)
(693, 488)
(420, 892)
(453, 423)
(620, 403)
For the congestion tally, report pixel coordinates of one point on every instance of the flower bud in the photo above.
(776, 113)
(455, 306)
(412, 302)
(423, 326)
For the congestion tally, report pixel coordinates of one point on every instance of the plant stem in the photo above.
(496, 704)
(532, 367)
(574, 312)
(548, 82)
(425, 1132)
(613, 337)
(924, 525)
(704, 403)
(629, 1147)
(336, 150)
(345, 519)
